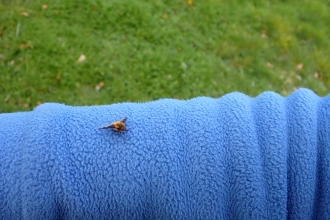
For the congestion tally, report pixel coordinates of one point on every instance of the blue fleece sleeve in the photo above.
(234, 157)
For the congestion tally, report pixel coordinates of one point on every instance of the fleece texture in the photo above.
(233, 157)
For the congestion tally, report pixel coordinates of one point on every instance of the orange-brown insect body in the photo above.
(117, 125)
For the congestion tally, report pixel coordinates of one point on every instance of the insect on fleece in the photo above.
(117, 125)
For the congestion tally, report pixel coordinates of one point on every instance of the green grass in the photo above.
(146, 50)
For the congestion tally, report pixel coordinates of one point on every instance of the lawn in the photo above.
(93, 52)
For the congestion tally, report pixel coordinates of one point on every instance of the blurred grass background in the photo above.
(93, 52)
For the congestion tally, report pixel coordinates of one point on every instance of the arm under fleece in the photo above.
(234, 157)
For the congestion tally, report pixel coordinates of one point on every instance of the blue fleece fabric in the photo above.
(234, 157)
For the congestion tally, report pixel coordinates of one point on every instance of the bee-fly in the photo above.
(117, 125)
